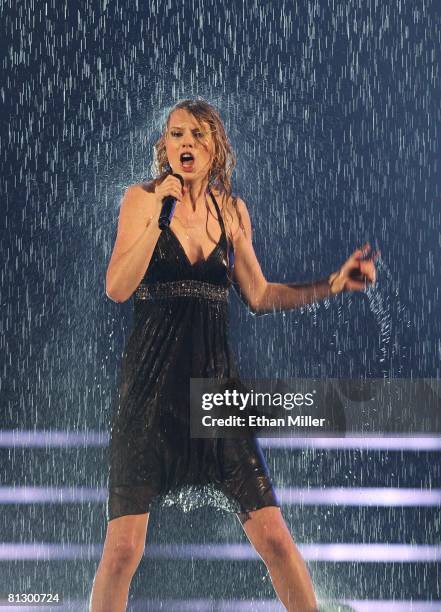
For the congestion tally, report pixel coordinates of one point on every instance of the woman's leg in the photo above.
(123, 549)
(268, 533)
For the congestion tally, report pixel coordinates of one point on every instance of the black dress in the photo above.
(180, 331)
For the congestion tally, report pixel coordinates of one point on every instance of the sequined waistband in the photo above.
(185, 288)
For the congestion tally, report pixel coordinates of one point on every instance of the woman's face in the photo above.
(185, 136)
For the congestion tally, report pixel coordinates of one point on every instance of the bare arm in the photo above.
(286, 296)
(263, 296)
(137, 235)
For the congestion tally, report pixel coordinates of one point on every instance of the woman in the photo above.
(180, 278)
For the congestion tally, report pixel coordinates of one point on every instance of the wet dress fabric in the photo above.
(180, 330)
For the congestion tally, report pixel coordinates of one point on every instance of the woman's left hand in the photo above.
(356, 273)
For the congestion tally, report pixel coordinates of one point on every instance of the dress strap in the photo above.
(230, 250)
(219, 216)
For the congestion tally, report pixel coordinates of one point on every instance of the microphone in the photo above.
(168, 206)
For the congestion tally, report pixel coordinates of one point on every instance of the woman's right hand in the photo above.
(170, 186)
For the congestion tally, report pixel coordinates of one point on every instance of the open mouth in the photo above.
(187, 161)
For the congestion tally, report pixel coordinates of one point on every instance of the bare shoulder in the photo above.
(241, 224)
(137, 197)
(135, 213)
(135, 210)
(237, 215)
(145, 190)
(244, 214)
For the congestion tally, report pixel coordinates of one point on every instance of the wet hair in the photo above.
(223, 163)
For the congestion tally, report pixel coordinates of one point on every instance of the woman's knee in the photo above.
(125, 542)
(269, 534)
(122, 555)
(277, 545)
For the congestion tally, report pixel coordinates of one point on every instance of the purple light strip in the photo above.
(415, 443)
(89, 438)
(52, 438)
(251, 605)
(271, 605)
(337, 496)
(51, 495)
(376, 553)
(39, 551)
(358, 496)
(384, 605)
(383, 553)
(191, 605)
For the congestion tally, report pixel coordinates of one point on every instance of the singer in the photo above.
(179, 277)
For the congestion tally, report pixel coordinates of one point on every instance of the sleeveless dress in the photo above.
(180, 330)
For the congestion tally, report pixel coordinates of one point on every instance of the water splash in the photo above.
(391, 316)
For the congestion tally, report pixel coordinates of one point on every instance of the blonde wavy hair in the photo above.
(223, 163)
